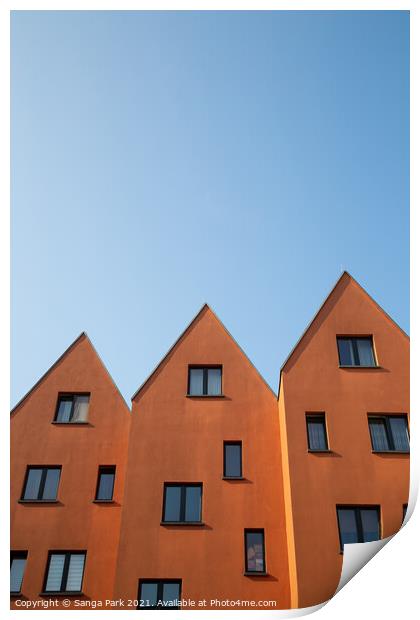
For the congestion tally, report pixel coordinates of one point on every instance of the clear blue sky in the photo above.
(165, 159)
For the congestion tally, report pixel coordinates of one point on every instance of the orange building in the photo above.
(69, 438)
(213, 493)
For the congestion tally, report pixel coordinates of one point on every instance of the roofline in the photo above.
(344, 273)
(204, 307)
(57, 361)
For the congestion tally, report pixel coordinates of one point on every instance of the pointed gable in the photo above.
(204, 341)
(350, 310)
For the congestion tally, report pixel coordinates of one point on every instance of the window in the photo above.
(358, 524)
(254, 551)
(65, 571)
(317, 432)
(41, 484)
(356, 351)
(232, 459)
(205, 381)
(159, 593)
(17, 569)
(182, 503)
(72, 408)
(389, 433)
(105, 485)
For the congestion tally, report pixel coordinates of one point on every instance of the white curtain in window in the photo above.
(55, 572)
(81, 405)
(364, 348)
(214, 381)
(74, 579)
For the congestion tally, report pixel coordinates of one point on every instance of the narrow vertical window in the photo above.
(17, 570)
(254, 551)
(232, 459)
(317, 432)
(105, 484)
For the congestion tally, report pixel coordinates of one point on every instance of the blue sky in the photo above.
(161, 160)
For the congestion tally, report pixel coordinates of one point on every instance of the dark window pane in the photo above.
(170, 595)
(106, 485)
(55, 572)
(378, 434)
(365, 351)
(196, 382)
(345, 352)
(148, 594)
(214, 381)
(172, 503)
(255, 552)
(17, 569)
(233, 460)
(193, 504)
(64, 410)
(75, 575)
(348, 526)
(32, 484)
(370, 524)
(399, 432)
(51, 484)
(316, 434)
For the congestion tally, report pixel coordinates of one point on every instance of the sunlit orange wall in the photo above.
(179, 439)
(74, 523)
(351, 474)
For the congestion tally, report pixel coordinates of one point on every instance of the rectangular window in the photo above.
(65, 571)
(254, 551)
(232, 459)
(356, 351)
(17, 569)
(389, 433)
(41, 484)
(182, 503)
(159, 593)
(358, 524)
(72, 408)
(105, 485)
(205, 381)
(317, 432)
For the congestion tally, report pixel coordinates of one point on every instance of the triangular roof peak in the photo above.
(82, 336)
(205, 307)
(345, 276)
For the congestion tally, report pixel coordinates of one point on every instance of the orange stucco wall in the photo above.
(174, 438)
(74, 523)
(351, 474)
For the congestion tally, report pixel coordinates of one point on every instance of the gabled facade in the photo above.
(213, 489)
(178, 438)
(339, 407)
(54, 476)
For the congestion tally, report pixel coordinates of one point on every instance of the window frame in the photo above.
(105, 469)
(250, 530)
(359, 526)
(65, 573)
(205, 368)
(69, 396)
(183, 503)
(18, 555)
(160, 584)
(40, 500)
(313, 415)
(232, 443)
(355, 351)
(385, 417)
